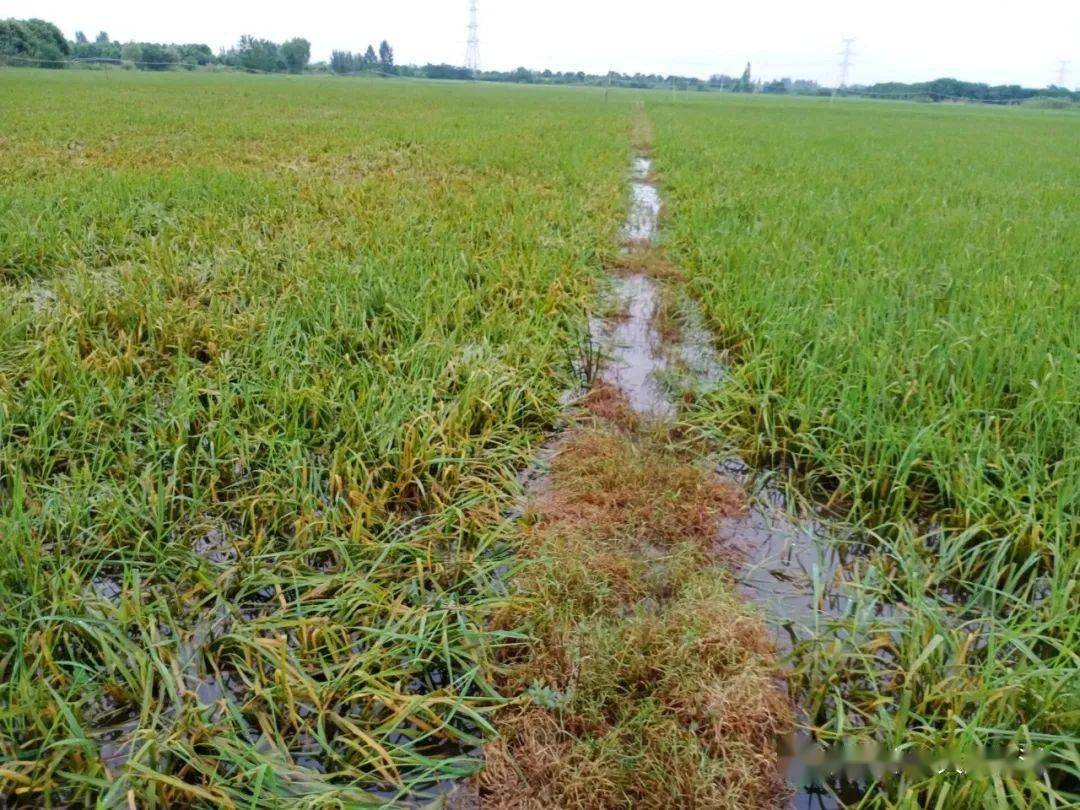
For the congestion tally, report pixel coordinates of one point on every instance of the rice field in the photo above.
(275, 349)
(272, 352)
(895, 287)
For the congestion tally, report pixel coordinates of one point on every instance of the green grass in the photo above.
(896, 287)
(275, 346)
(272, 352)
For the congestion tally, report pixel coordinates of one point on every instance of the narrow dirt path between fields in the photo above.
(647, 681)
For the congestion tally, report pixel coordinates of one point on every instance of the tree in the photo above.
(131, 52)
(777, 86)
(34, 40)
(296, 53)
(259, 54)
(369, 57)
(155, 56)
(83, 48)
(386, 56)
(49, 35)
(195, 54)
(745, 83)
(342, 62)
(102, 38)
(430, 71)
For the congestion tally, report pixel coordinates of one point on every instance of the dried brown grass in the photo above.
(639, 491)
(647, 259)
(606, 404)
(647, 682)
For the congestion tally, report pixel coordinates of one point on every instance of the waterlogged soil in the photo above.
(778, 557)
(786, 565)
(630, 344)
(643, 220)
(781, 555)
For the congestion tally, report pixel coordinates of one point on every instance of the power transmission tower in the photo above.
(845, 66)
(1063, 72)
(845, 62)
(472, 51)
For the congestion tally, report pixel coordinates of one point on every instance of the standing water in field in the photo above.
(787, 564)
(643, 220)
(781, 555)
(635, 363)
(630, 341)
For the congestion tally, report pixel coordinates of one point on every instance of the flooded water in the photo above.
(632, 348)
(788, 563)
(782, 556)
(216, 547)
(642, 222)
(634, 357)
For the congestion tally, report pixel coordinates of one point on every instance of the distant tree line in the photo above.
(263, 55)
(349, 62)
(747, 84)
(936, 90)
(42, 43)
(145, 55)
(524, 75)
(34, 39)
(744, 83)
(955, 89)
(39, 42)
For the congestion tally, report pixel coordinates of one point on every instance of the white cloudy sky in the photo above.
(980, 40)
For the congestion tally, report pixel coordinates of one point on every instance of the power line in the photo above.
(472, 50)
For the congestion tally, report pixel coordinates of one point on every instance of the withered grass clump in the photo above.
(649, 260)
(607, 404)
(647, 683)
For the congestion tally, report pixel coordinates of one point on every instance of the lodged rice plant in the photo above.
(272, 350)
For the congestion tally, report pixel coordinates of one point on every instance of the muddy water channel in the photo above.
(783, 555)
(788, 563)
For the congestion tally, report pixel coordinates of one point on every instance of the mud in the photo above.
(216, 547)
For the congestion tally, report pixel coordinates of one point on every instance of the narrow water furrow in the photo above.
(639, 650)
(784, 560)
(782, 556)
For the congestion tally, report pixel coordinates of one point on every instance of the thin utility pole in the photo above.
(472, 50)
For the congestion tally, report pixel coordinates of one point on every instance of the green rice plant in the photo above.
(272, 351)
(894, 286)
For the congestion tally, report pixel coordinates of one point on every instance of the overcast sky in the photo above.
(979, 40)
